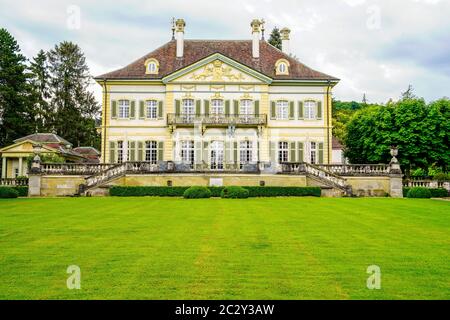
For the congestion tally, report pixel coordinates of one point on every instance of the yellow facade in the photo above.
(204, 86)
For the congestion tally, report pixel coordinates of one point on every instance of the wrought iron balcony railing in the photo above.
(217, 120)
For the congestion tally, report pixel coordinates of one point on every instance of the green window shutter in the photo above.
(300, 152)
(177, 107)
(205, 151)
(160, 109)
(300, 110)
(206, 106)
(198, 106)
(112, 152)
(114, 109)
(273, 110)
(160, 151)
(236, 107)
(319, 110)
(291, 110)
(273, 152)
(321, 153)
(227, 108)
(235, 152)
(292, 152)
(140, 151)
(198, 152)
(141, 109)
(132, 149)
(132, 109)
(257, 108)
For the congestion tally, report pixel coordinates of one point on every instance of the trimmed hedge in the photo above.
(234, 193)
(119, 191)
(419, 192)
(439, 193)
(284, 191)
(22, 190)
(8, 193)
(435, 192)
(197, 193)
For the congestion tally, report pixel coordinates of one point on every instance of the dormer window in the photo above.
(282, 67)
(151, 66)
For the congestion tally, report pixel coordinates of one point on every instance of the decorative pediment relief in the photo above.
(217, 69)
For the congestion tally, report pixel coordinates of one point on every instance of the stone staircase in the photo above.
(319, 174)
(99, 179)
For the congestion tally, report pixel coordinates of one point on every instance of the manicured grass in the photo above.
(171, 248)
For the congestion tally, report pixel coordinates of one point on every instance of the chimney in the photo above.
(256, 31)
(285, 36)
(179, 28)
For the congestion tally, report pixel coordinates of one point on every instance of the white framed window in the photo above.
(152, 67)
(217, 107)
(310, 109)
(283, 151)
(124, 109)
(246, 107)
(152, 109)
(313, 152)
(245, 152)
(151, 151)
(120, 151)
(282, 110)
(188, 109)
(282, 67)
(216, 155)
(188, 152)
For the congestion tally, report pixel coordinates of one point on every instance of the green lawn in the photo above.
(285, 248)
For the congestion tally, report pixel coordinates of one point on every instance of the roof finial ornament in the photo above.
(263, 22)
(173, 28)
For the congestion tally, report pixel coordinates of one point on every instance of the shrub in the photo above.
(7, 192)
(22, 191)
(441, 176)
(405, 191)
(234, 193)
(216, 191)
(197, 193)
(284, 191)
(439, 193)
(419, 192)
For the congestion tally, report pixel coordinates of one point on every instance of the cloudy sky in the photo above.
(376, 47)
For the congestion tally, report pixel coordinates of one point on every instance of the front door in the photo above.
(216, 155)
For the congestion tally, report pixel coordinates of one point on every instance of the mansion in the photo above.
(217, 105)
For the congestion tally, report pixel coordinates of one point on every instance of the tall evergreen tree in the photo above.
(16, 113)
(39, 81)
(75, 106)
(275, 38)
(408, 94)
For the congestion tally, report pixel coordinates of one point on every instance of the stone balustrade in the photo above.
(74, 168)
(357, 169)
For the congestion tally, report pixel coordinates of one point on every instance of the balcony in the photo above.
(221, 120)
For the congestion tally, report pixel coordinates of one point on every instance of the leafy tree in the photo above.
(75, 106)
(275, 38)
(437, 123)
(16, 114)
(419, 131)
(342, 113)
(40, 78)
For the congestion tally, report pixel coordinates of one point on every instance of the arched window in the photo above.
(282, 110)
(151, 66)
(282, 67)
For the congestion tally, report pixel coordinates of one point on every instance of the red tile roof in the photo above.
(336, 144)
(196, 50)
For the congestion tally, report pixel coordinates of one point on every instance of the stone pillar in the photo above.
(395, 175)
(3, 168)
(34, 185)
(20, 166)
